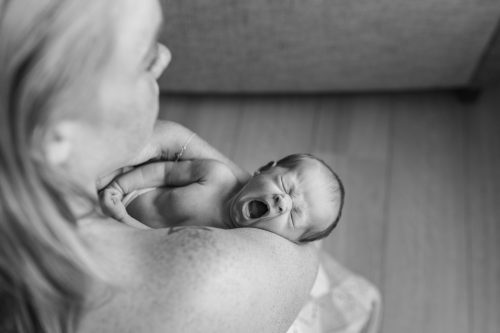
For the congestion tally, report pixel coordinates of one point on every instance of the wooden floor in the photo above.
(422, 175)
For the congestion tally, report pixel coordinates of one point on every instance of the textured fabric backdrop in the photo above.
(320, 45)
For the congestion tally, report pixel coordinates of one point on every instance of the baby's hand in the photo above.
(111, 202)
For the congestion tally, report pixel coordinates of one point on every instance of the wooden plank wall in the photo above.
(422, 174)
(483, 213)
(426, 248)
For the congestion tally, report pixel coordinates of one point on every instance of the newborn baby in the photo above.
(299, 197)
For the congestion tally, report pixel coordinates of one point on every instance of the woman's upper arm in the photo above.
(196, 279)
(240, 280)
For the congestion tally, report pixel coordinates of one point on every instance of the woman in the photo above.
(79, 99)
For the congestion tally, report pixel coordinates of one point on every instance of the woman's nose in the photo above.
(281, 203)
(164, 57)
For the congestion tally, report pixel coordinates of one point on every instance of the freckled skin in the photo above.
(196, 279)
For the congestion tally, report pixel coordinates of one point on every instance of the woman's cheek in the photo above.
(148, 99)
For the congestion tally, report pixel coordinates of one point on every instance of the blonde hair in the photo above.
(51, 52)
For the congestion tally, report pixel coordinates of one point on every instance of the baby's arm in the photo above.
(166, 173)
(187, 192)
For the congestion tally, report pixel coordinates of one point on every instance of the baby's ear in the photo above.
(265, 167)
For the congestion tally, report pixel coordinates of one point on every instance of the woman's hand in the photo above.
(167, 142)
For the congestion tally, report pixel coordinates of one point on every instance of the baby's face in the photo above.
(292, 203)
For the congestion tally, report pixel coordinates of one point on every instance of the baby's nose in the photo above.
(281, 203)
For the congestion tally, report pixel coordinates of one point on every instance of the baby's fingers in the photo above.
(111, 203)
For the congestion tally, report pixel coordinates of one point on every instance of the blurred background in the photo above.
(401, 98)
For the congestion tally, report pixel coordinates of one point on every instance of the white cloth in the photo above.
(340, 302)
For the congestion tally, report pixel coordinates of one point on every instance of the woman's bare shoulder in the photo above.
(192, 279)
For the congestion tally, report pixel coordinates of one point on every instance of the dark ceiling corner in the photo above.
(488, 68)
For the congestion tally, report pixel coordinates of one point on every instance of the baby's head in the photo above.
(299, 197)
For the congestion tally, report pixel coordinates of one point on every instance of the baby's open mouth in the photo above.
(257, 209)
